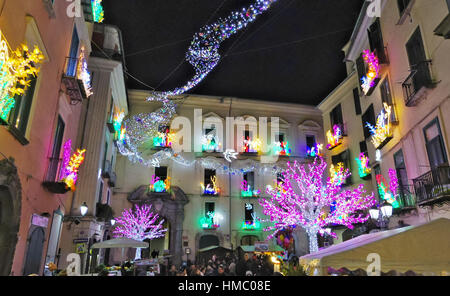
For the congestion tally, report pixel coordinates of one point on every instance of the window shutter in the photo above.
(361, 68)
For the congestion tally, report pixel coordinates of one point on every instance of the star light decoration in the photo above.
(16, 70)
(140, 224)
(305, 201)
(369, 80)
(203, 55)
(381, 132)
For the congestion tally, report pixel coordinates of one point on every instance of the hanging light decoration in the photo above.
(211, 221)
(337, 173)
(211, 188)
(314, 151)
(203, 55)
(158, 185)
(97, 11)
(389, 193)
(282, 148)
(70, 173)
(83, 73)
(210, 143)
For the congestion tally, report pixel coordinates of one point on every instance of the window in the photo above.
(52, 173)
(418, 61)
(209, 208)
(100, 194)
(363, 147)
(357, 101)
(386, 97)
(73, 55)
(361, 69)
(249, 177)
(108, 197)
(310, 141)
(104, 157)
(161, 173)
(402, 5)
(20, 114)
(336, 116)
(281, 138)
(435, 144)
(249, 212)
(376, 41)
(402, 175)
(368, 116)
(209, 174)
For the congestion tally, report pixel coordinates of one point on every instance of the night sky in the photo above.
(292, 53)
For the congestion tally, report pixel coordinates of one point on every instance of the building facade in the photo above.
(394, 107)
(44, 116)
(196, 217)
(97, 134)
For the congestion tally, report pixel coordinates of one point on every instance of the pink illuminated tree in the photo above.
(139, 225)
(304, 199)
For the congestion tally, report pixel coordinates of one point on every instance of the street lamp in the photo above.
(83, 209)
(380, 215)
(113, 221)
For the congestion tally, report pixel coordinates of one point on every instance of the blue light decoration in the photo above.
(203, 54)
(315, 151)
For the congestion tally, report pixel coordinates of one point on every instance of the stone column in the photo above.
(94, 134)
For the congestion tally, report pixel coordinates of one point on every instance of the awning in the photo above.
(251, 249)
(422, 249)
(120, 242)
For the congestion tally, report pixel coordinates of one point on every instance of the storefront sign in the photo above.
(80, 240)
(39, 221)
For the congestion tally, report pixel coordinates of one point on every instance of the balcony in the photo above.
(75, 88)
(52, 182)
(433, 187)
(107, 42)
(418, 84)
(406, 199)
(443, 29)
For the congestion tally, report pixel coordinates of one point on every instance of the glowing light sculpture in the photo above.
(211, 221)
(211, 188)
(370, 80)
(389, 192)
(305, 202)
(337, 173)
(164, 140)
(70, 172)
(83, 74)
(315, 151)
(246, 190)
(251, 225)
(118, 117)
(140, 224)
(210, 143)
(97, 11)
(158, 185)
(282, 148)
(203, 54)
(252, 146)
(16, 70)
(363, 162)
(381, 132)
(334, 138)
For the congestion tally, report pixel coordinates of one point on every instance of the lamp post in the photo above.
(381, 214)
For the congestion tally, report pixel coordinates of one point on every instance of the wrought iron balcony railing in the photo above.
(415, 85)
(433, 186)
(407, 197)
(52, 180)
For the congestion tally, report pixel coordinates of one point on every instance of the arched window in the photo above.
(208, 241)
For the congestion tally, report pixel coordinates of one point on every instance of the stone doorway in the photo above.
(10, 207)
(169, 206)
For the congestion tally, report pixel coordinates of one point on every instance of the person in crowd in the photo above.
(221, 271)
(173, 270)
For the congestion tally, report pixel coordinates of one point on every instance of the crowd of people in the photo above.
(228, 265)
